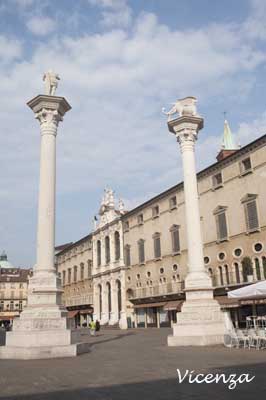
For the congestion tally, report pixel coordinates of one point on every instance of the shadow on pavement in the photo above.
(163, 389)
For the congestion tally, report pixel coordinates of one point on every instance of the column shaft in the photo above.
(46, 211)
(194, 240)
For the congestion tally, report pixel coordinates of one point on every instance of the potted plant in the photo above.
(247, 269)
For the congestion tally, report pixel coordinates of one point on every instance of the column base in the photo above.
(41, 352)
(200, 322)
(123, 320)
(42, 333)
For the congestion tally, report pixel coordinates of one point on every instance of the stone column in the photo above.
(112, 247)
(105, 313)
(114, 313)
(96, 302)
(186, 131)
(201, 320)
(43, 330)
(123, 313)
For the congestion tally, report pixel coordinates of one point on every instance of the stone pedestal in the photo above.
(201, 321)
(43, 329)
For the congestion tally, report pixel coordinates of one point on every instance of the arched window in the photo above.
(75, 273)
(264, 266)
(130, 294)
(247, 268)
(81, 271)
(100, 300)
(221, 275)
(257, 267)
(107, 249)
(99, 255)
(211, 275)
(119, 297)
(117, 245)
(109, 298)
(141, 248)
(237, 273)
(227, 274)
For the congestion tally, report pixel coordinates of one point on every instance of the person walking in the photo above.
(97, 325)
(92, 326)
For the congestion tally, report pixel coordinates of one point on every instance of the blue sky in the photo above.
(120, 62)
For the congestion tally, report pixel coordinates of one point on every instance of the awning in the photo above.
(173, 305)
(225, 302)
(255, 290)
(72, 314)
(248, 302)
(6, 317)
(86, 311)
(148, 305)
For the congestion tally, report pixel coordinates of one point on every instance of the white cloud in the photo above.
(249, 131)
(115, 135)
(114, 12)
(41, 25)
(10, 49)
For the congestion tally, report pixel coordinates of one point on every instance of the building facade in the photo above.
(13, 290)
(232, 197)
(139, 258)
(74, 266)
(109, 270)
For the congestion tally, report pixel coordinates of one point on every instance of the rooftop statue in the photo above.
(50, 79)
(121, 206)
(108, 201)
(182, 107)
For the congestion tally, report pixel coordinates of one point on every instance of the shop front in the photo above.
(6, 319)
(81, 316)
(156, 315)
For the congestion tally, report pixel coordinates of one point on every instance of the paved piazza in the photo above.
(135, 364)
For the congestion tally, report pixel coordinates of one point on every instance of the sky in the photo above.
(119, 62)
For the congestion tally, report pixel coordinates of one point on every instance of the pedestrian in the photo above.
(97, 325)
(92, 326)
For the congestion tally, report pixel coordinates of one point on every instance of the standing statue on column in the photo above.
(50, 79)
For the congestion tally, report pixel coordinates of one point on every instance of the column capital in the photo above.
(186, 127)
(49, 102)
(49, 110)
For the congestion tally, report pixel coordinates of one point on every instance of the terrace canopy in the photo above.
(256, 290)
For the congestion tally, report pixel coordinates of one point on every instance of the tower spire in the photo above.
(228, 140)
(228, 144)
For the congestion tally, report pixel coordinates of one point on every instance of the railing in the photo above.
(159, 290)
(77, 300)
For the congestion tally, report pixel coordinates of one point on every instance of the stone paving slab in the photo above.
(132, 365)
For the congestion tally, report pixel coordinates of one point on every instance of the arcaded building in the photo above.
(74, 266)
(139, 257)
